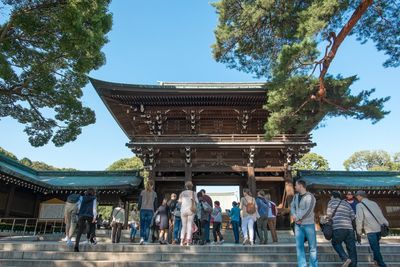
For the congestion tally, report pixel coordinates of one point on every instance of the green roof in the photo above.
(71, 179)
(351, 179)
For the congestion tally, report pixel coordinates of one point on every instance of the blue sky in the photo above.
(170, 41)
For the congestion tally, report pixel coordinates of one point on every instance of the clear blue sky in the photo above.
(170, 41)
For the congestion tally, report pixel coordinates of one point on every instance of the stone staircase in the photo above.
(52, 254)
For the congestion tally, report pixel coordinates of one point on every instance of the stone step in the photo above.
(78, 263)
(173, 257)
(152, 248)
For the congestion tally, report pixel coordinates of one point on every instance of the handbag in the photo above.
(384, 228)
(193, 207)
(157, 220)
(327, 228)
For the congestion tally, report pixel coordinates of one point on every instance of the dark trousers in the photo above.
(346, 236)
(256, 233)
(217, 231)
(235, 227)
(83, 223)
(116, 232)
(373, 239)
(91, 234)
(207, 229)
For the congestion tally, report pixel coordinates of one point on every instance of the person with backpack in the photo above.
(208, 199)
(71, 217)
(272, 213)
(234, 215)
(117, 222)
(188, 200)
(342, 215)
(302, 214)
(370, 219)
(217, 221)
(262, 221)
(248, 207)
(87, 212)
(204, 211)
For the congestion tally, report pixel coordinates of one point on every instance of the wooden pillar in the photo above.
(37, 206)
(10, 200)
(188, 174)
(126, 204)
(251, 180)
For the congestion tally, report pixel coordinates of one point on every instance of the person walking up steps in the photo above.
(234, 214)
(272, 213)
(248, 207)
(87, 212)
(188, 200)
(302, 214)
(262, 221)
(117, 222)
(217, 218)
(147, 206)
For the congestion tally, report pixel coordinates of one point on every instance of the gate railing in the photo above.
(30, 226)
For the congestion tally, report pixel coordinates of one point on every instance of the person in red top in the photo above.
(207, 199)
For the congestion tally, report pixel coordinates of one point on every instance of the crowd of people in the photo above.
(187, 220)
(350, 217)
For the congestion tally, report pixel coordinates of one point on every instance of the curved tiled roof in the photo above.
(71, 180)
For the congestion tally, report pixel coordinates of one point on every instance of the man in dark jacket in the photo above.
(87, 212)
(208, 199)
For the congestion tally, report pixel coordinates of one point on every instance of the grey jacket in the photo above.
(304, 210)
(365, 219)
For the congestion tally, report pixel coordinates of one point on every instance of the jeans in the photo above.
(235, 227)
(177, 228)
(207, 229)
(306, 231)
(373, 239)
(133, 231)
(145, 221)
(346, 236)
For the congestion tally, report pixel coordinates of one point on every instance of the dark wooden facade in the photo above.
(209, 133)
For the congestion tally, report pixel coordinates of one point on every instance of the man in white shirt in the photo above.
(370, 218)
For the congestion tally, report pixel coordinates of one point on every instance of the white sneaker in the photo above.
(245, 241)
(65, 239)
(141, 241)
(221, 242)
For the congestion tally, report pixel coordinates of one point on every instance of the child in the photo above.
(234, 214)
(162, 220)
(134, 224)
(217, 218)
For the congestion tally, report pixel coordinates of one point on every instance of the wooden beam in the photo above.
(270, 178)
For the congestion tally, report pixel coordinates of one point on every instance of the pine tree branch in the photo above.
(337, 41)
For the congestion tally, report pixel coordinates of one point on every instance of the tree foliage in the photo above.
(133, 163)
(375, 160)
(47, 48)
(36, 165)
(280, 40)
(312, 161)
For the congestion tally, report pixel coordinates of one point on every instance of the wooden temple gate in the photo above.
(208, 133)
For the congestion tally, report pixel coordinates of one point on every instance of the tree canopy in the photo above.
(312, 161)
(37, 165)
(375, 160)
(280, 41)
(47, 48)
(133, 163)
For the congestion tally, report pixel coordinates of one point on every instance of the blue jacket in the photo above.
(235, 214)
(87, 206)
(263, 207)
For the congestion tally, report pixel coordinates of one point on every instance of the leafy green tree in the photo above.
(41, 166)
(8, 154)
(312, 161)
(47, 48)
(367, 160)
(133, 163)
(280, 41)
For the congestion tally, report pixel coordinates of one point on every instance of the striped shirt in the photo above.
(344, 214)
